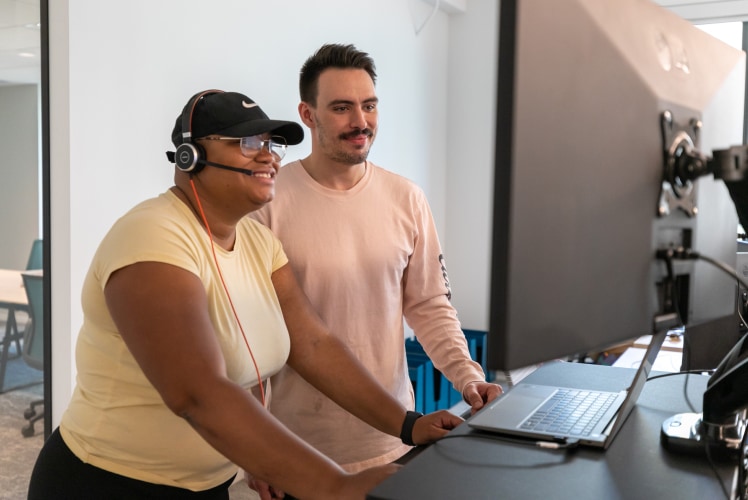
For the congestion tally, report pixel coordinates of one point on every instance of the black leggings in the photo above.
(59, 474)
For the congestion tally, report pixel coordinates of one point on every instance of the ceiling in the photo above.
(20, 54)
(708, 11)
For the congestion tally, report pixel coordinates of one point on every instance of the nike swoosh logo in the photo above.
(248, 105)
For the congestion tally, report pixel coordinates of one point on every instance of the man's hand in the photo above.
(265, 491)
(434, 426)
(477, 394)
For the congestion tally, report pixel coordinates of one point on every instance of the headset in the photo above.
(190, 157)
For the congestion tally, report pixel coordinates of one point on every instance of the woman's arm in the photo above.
(325, 362)
(161, 312)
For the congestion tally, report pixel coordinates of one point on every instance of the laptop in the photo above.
(563, 414)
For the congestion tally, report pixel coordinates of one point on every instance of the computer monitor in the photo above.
(590, 96)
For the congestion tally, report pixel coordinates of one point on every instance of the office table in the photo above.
(12, 298)
(635, 466)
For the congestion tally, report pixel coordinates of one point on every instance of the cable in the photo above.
(426, 21)
(668, 257)
(740, 305)
(688, 370)
(714, 469)
(685, 372)
(231, 302)
(566, 444)
(723, 267)
(681, 253)
(742, 486)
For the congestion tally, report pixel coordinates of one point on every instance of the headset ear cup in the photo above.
(188, 156)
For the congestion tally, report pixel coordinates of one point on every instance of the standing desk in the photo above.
(635, 466)
(12, 298)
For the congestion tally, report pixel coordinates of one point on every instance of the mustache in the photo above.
(354, 133)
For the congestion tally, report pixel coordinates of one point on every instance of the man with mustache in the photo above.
(363, 244)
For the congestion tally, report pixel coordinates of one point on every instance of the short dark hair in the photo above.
(333, 55)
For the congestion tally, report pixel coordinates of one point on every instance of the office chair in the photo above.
(33, 342)
(35, 257)
(35, 261)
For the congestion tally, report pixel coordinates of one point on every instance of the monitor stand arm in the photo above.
(730, 164)
(721, 426)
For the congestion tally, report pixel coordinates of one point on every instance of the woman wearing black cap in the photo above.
(187, 305)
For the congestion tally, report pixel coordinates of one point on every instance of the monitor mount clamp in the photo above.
(684, 163)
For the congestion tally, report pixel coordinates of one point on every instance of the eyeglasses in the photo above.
(252, 145)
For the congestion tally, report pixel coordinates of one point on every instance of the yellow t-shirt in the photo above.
(116, 420)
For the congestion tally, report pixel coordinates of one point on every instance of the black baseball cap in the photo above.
(230, 114)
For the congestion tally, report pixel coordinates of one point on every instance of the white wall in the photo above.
(473, 49)
(122, 71)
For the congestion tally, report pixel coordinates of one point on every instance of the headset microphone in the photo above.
(171, 156)
(226, 167)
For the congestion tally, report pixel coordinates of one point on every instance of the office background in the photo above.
(120, 71)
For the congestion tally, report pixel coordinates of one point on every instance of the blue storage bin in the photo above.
(416, 372)
(440, 394)
(477, 343)
(435, 388)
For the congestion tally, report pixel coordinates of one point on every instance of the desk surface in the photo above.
(12, 291)
(635, 465)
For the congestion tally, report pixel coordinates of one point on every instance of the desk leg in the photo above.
(17, 336)
(10, 328)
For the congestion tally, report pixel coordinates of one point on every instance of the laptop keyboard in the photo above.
(570, 412)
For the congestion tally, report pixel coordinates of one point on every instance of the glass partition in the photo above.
(25, 395)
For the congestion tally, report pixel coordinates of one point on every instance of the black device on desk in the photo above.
(722, 424)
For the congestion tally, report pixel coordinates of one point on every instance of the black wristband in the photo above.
(406, 434)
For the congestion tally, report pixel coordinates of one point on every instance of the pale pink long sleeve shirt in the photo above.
(366, 258)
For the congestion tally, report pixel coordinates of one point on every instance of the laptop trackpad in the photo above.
(510, 410)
